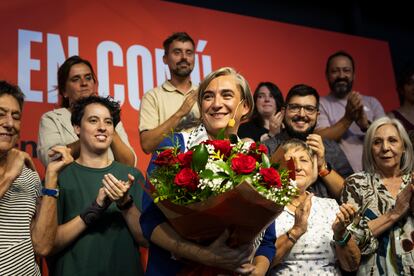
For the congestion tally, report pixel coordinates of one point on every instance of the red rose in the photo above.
(271, 177)
(256, 151)
(185, 159)
(262, 149)
(243, 164)
(187, 178)
(165, 158)
(221, 145)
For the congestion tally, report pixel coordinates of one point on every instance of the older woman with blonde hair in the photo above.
(383, 192)
(225, 100)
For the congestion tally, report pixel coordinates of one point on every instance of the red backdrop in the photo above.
(123, 40)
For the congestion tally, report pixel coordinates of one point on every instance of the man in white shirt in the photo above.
(345, 114)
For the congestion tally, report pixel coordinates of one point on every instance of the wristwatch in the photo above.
(50, 192)
(326, 170)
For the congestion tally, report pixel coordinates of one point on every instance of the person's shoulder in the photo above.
(358, 177)
(277, 139)
(152, 92)
(247, 129)
(125, 167)
(30, 174)
(67, 172)
(55, 113)
(329, 143)
(281, 137)
(327, 98)
(370, 99)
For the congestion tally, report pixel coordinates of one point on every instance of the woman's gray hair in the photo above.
(296, 143)
(246, 93)
(407, 160)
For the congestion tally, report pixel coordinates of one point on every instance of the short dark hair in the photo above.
(78, 108)
(12, 90)
(339, 54)
(302, 90)
(277, 95)
(180, 36)
(63, 75)
(403, 78)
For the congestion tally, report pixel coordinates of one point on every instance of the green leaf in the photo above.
(200, 157)
(222, 134)
(224, 166)
(207, 174)
(265, 161)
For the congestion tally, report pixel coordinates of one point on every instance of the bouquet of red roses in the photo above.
(220, 185)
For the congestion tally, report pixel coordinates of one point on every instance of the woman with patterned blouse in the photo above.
(383, 192)
(306, 226)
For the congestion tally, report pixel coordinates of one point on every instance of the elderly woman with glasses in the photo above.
(383, 192)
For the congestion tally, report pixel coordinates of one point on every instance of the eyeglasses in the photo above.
(295, 108)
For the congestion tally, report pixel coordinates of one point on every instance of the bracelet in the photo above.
(127, 204)
(290, 237)
(93, 213)
(344, 240)
(50, 192)
(325, 171)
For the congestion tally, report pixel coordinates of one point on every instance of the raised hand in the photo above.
(362, 120)
(275, 123)
(102, 198)
(344, 217)
(115, 189)
(188, 102)
(16, 159)
(403, 201)
(64, 158)
(315, 143)
(354, 106)
(302, 214)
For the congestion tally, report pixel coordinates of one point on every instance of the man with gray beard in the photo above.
(170, 107)
(301, 113)
(345, 115)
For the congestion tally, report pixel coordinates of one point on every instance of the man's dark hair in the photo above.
(403, 78)
(12, 90)
(339, 54)
(276, 94)
(78, 108)
(302, 90)
(179, 36)
(63, 75)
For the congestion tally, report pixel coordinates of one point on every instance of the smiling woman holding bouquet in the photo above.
(308, 223)
(224, 100)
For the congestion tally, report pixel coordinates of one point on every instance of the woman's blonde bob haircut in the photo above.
(246, 93)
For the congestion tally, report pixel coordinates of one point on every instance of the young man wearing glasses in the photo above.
(301, 114)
